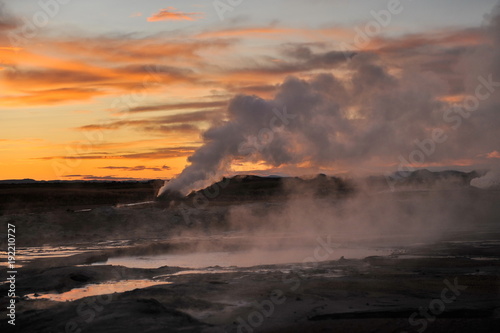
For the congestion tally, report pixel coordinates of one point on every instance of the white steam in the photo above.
(490, 180)
(372, 114)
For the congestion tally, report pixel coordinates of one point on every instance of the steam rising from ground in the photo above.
(295, 229)
(382, 106)
(390, 218)
(371, 114)
(490, 180)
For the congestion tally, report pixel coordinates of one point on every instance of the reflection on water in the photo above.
(49, 251)
(98, 289)
(241, 258)
(195, 271)
(484, 258)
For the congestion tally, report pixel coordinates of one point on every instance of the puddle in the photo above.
(423, 256)
(334, 274)
(484, 258)
(30, 253)
(97, 289)
(416, 256)
(47, 251)
(86, 210)
(218, 271)
(252, 258)
(194, 271)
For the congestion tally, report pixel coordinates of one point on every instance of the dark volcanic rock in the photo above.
(255, 188)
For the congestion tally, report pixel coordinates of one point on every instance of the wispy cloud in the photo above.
(147, 124)
(249, 31)
(160, 153)
(179, 106)
(494, 154)
(51, 96)
(61, 71)
(102, 178)
(171, 14)
(136, 168)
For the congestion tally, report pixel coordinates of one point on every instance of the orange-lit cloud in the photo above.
(469, 37)
(58, 72)
(152, 50)
(11, 48)
(452, 99)
(170, 14)
(335, 34)
(50, 96)
(494, 154)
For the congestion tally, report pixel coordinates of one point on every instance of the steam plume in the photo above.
(372, 114)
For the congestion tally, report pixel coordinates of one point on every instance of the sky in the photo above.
(122, 89)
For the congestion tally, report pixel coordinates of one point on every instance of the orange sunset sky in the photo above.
(125, 89)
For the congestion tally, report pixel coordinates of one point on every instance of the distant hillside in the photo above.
(32, 181)
(39, 195)
(254, 188)
(425, 179)
(28, 194)
(18, 181)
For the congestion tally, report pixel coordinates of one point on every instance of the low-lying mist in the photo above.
(421, 215)
(365, 218)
